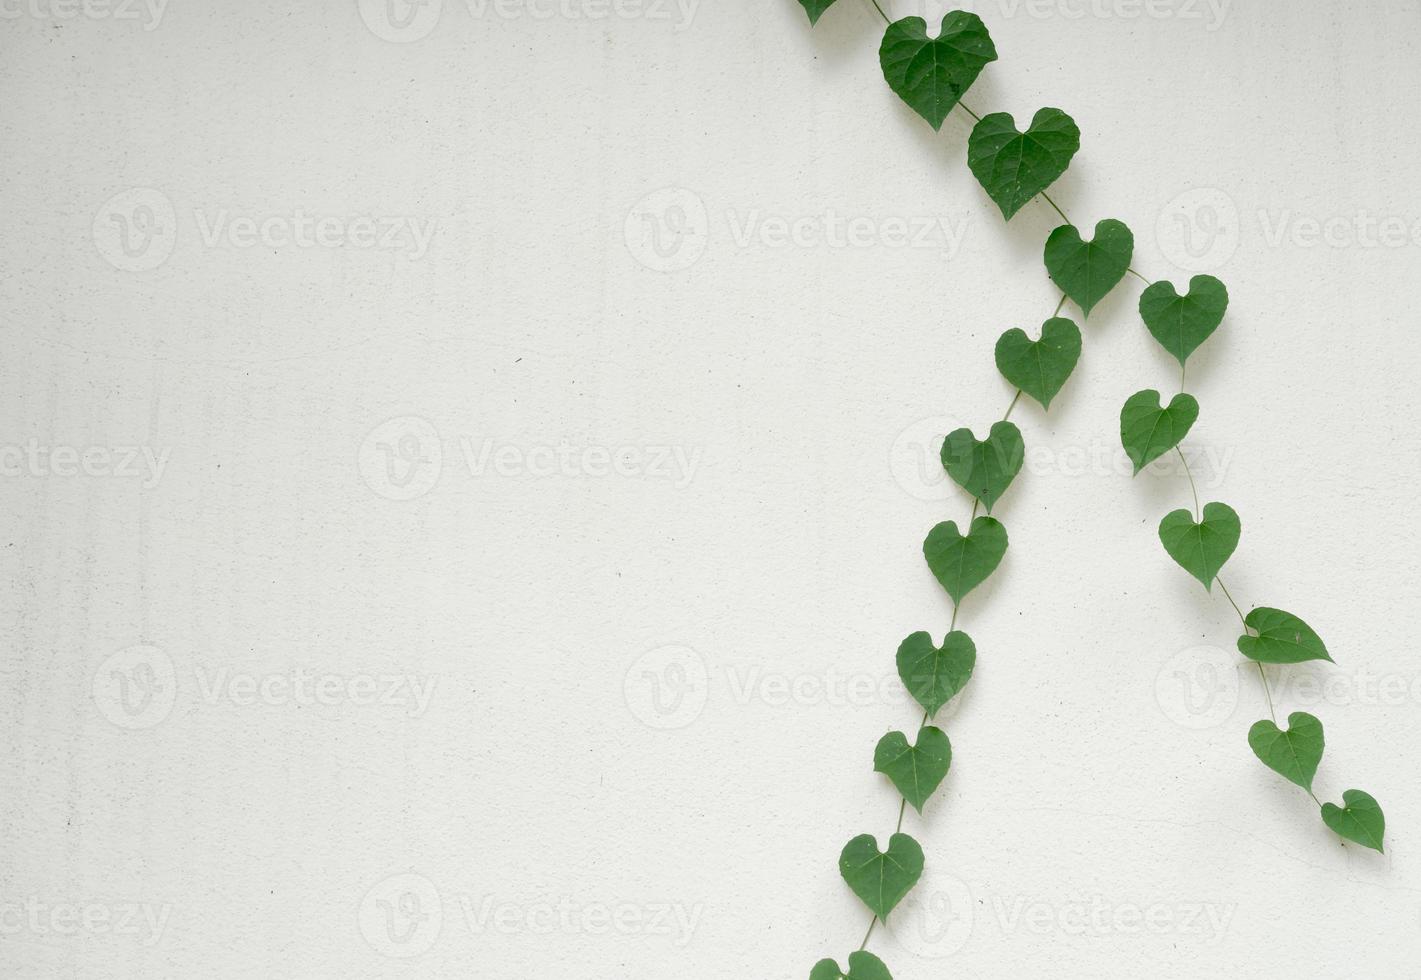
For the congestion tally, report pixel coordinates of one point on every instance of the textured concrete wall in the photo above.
(464, 478)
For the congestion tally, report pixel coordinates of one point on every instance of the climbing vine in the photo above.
(1014, 167)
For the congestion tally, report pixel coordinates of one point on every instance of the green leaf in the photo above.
(932, 74)
(963, 563)
(1201, 549)
(1014, 167)
(862, 966)
(1087, 271)
(815, 9)
(1040, 368)
(881, 879)
(934, 675)
(1359, 820)
(1293, 754)
(984, 469)
(1148, 431)
(1182, 323)
(917, 770)
(1282, 638)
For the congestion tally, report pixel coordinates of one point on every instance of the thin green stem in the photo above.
(968, 110)
(1139, 277)
(864, 945)
(880, 12)
(1060, 305)
(1229, 596)
(1015, 398)
(1047, 198)
(1267, 691)
(1198, 514)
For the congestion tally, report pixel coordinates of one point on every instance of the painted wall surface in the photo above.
(465, 467)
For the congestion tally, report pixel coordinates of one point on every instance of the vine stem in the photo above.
(1193, 489)
(1047, 198)
(1243, 620)
(952, 625)
(1017, 397)
(1051, 201)
(1268, 691)
(1198, 514)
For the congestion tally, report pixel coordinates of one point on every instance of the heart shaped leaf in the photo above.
(1282, 638)
(934, 675)
(862, 966)
(963, 563)
(931, 74)
(1293, 754)
(1014, 167)
(881, 879)
(815, 9)
(1360, 819)
(1201, 549)
(1148, 431)
(1087, 271)
(984, 469)
(917, 770)
(1182, 323)
(1040, 368)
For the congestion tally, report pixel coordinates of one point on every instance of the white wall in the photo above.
(773, 409)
